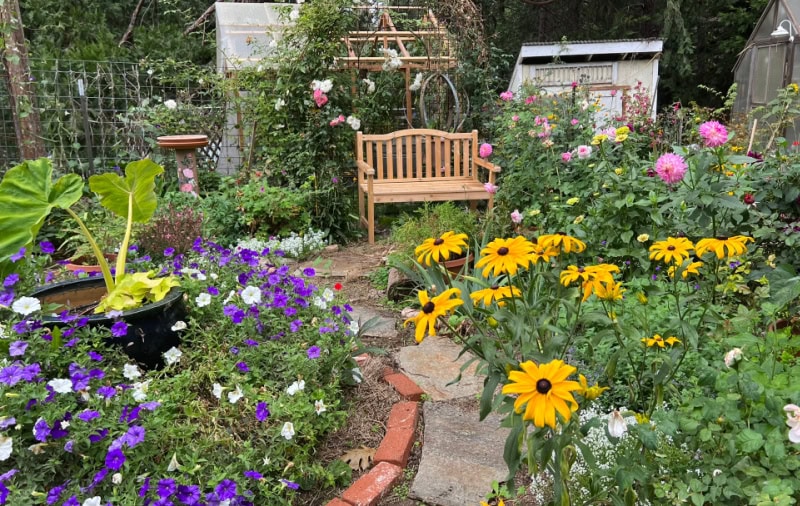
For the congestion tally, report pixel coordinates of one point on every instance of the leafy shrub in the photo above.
(173, 229)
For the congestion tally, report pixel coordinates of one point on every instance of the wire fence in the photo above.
(98, 115)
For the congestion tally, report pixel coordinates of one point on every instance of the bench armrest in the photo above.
(480, 162)
(365, 168)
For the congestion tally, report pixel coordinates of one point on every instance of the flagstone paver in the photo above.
(461, 456)
(383, 327)
(434, 363)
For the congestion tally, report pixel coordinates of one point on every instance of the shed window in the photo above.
(768, 75)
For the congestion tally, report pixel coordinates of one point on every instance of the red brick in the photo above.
(338, 502)
(396, 446)
(362, 359)
(374, 485)
(404, 415)
(388, 371)
(407, 389)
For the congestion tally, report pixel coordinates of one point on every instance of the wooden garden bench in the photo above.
(419, 165)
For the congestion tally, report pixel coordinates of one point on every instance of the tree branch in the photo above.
(132, 24)
(199, 21)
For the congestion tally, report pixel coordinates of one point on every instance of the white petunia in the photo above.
(203, 299)
(616, 424)
(131, 371)
(353, 327)
(116, 478)
(179, 325)
(295, 387)
(140, 390)
(288, 430)
(279, 104)
(6, 447)
(92, 501)
(328, 295)
(173, 355)
(320, 303)
(26, 305)
(358, 376)
(217, 390)
(233, 397)
(231, 295)
(319, 407)
(174, 465)
(3, 334)
(64, 424)
(273, 44)
(170, 104)
(61, 386)
(251, 295)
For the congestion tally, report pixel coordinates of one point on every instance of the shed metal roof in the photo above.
(590, 47)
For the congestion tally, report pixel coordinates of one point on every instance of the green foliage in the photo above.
(268, 210)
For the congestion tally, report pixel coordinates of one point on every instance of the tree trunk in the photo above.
(18, 79)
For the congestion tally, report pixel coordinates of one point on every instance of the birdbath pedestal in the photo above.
(185, 146)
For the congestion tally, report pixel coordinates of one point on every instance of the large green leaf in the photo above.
(139, 181)
(27, 195)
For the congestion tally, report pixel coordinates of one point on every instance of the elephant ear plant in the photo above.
(28, 194)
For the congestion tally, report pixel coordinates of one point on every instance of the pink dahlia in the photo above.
(714, 133)
(507, 96)
(485, 151)
(671, 168)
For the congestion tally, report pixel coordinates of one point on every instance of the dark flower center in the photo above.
(428, 307)
(495, 287)
(502, 251)
(543, 386)
(438, 241)
(581, 270)
(561, 233)
(671, 248)
(722, 238)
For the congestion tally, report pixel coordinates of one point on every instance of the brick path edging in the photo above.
(392, 454)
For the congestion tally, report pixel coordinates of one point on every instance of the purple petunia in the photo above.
(41, 430)
(254, 475)
(251, 342)
(6, 298)
(226, 489)
(188, 494)
(295, 325)
(17, 348)
(166, 487)
(150, 405)
(19, 255)
(106, 392)
(115, 459)
(54, 494)
(262, 411)
(98, 436)
(68, 446)
(11, 280)
(242, 367)
(119, 329)
(88, 415)
(145, 487)
(313, 352)
(292, 485)
(134, 436)
(95, 356)
(7, 422)
(47, 247)
(72, 501)
(212, 290)
(309, 272)
(168, 252)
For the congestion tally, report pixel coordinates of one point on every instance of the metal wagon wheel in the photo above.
(439, 104)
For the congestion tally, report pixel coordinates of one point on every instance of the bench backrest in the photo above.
(419, 154)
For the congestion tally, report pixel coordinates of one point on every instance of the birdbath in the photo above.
(184, 146)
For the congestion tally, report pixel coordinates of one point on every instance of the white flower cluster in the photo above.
(354, 122)
(392, 61)
(170, 104)
(417, 84)
(370, 85)
(294, 246)
(324, 86)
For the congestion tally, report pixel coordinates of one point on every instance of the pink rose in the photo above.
(485, 151)
(187, 173)
(507, 96)
(566, 156)
(516, 217)
(515, 118)
(531, 99)
(490, 188)
(320, 98)
(574, 121)
(187, 188)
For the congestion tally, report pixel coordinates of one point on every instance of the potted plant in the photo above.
(146, 302)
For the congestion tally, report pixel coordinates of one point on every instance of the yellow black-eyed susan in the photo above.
(543, 390)
(432, 309)
(439, 248)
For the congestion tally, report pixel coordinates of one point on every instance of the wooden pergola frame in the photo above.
(386, 36)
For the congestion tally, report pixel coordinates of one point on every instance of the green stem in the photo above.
(123, 248)
(101, 260)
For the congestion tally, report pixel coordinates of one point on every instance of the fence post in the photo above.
(27, 127)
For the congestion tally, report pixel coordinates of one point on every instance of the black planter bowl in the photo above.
(150, 331)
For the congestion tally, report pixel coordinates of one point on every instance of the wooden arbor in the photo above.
(364, 48)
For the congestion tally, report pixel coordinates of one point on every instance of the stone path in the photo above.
(461, 456)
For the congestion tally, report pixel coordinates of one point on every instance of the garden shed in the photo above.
(611, 69)
(769, 60)
(245, 33)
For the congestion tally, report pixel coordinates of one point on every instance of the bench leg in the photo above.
(361, 215)
(371, 219)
